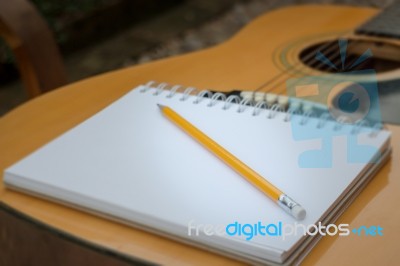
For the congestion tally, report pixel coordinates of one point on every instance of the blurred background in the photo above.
(96, 36)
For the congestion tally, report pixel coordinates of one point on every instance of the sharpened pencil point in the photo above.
(159, 105)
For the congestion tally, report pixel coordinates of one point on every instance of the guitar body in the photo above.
(265, 48)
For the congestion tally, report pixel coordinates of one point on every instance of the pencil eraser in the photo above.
(298, 212)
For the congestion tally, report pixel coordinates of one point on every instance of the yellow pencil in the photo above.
(288, 204)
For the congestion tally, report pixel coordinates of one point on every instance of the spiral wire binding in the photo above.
(274, 109)
(187, 93)
(243, 104)
(201, 96)
(323, 119)
(217, 96)
(289, 113)
(173, 91)
(229, 101)
(306, 117)
(258, 107)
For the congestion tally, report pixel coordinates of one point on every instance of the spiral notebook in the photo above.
(129, 163)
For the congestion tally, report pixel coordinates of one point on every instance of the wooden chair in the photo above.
(36, 53)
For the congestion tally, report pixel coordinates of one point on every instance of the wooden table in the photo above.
(45, 232)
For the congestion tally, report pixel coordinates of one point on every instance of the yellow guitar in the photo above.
(279, 45)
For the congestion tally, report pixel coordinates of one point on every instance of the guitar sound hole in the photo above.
(385, 56)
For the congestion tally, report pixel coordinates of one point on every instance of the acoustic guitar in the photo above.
(273, 48)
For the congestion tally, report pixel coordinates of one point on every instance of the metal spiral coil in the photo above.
(242, 104)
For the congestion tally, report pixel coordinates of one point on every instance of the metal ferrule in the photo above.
(287, 203)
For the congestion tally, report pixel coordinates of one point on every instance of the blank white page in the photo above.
(130, 162)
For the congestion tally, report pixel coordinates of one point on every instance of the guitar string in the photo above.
(336, 59)
(307, 59)
(310, 69)
(275, 86)
(272, 81)
(336, 56)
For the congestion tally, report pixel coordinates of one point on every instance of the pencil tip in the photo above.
(159, 105)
